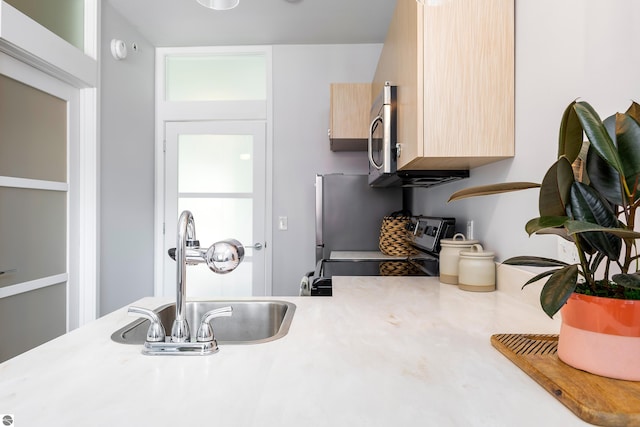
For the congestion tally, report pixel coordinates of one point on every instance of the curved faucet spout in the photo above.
(186, 237)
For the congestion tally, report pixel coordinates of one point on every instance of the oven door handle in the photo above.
(371, 127)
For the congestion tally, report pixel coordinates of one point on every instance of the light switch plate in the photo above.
(283, 223)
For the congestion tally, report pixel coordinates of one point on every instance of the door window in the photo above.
(216, 170)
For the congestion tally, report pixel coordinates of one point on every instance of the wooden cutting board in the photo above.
(597, 400)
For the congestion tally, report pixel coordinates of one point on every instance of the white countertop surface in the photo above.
(382, 351)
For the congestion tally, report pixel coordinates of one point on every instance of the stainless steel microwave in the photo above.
(383, 149)
(383, 158)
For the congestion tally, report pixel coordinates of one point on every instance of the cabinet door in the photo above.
(468, 51)
(453, 64)
(349, 116)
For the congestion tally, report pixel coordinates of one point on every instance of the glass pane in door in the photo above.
(33, 133)
(33, 234)
(219, 219)
(215, 164)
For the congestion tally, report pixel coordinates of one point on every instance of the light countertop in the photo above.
(382, 351)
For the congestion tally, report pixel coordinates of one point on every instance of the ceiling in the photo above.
(170, 23)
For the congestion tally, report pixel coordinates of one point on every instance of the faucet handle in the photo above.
(156, 332)
(205, 332)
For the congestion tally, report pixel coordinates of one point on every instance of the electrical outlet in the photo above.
(567, 251)
(470, 229)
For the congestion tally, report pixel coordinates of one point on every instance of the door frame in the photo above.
(208, 111)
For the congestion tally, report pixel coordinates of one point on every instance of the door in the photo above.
(38, 142)
(216, 169)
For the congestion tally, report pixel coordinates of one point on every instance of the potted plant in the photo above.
(589, 196)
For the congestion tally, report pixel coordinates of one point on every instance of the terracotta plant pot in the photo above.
(601, 336)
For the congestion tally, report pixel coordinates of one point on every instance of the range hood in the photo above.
(418, 178)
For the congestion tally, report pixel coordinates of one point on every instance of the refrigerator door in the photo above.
(349, 213)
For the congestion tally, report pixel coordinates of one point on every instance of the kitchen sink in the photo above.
(252, 322)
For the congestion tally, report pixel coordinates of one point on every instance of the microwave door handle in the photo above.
(371, 161)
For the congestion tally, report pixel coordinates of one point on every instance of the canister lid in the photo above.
(458, 240)
(477, 251)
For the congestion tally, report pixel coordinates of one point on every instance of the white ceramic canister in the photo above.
(449, 256)
(477, 270)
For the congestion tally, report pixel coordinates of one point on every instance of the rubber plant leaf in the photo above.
(558, 289)
(570, 140)
(597, 134)
(560, 232)
(575, 227)
(554, 191)
(537, 225)
(628, 141)
(604, 178)
(485, 190)
(588, 206)
(627, 280)
(534, 261)
(585, 246)
(596, 261)
(538, 277)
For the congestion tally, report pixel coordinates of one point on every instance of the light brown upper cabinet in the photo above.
(349, 116)
(453, 63)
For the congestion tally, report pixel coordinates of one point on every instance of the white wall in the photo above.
(127, 166)
(301, 78)
(564, 50)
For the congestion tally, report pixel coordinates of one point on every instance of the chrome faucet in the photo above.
(186, 238)
(221, 257)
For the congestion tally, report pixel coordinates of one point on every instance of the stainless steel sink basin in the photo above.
(253, 322)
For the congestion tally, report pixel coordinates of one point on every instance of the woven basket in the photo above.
(395, 239)
(397, 269)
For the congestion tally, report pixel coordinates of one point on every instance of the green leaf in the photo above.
(538, 277)
(628, 142)
(534, 261)
(558, 289)
(627, 280)
(576, 227)
(597, 135)
(596, 261)
(602, 176)
(554, 192)
(570, 141)
(536, 225)
(588, 206)
(485, 190)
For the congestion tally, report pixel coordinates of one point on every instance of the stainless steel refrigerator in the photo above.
(349, 213)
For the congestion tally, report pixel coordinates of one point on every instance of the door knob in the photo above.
(258, 246)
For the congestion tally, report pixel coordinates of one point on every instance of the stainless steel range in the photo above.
(427, 232)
